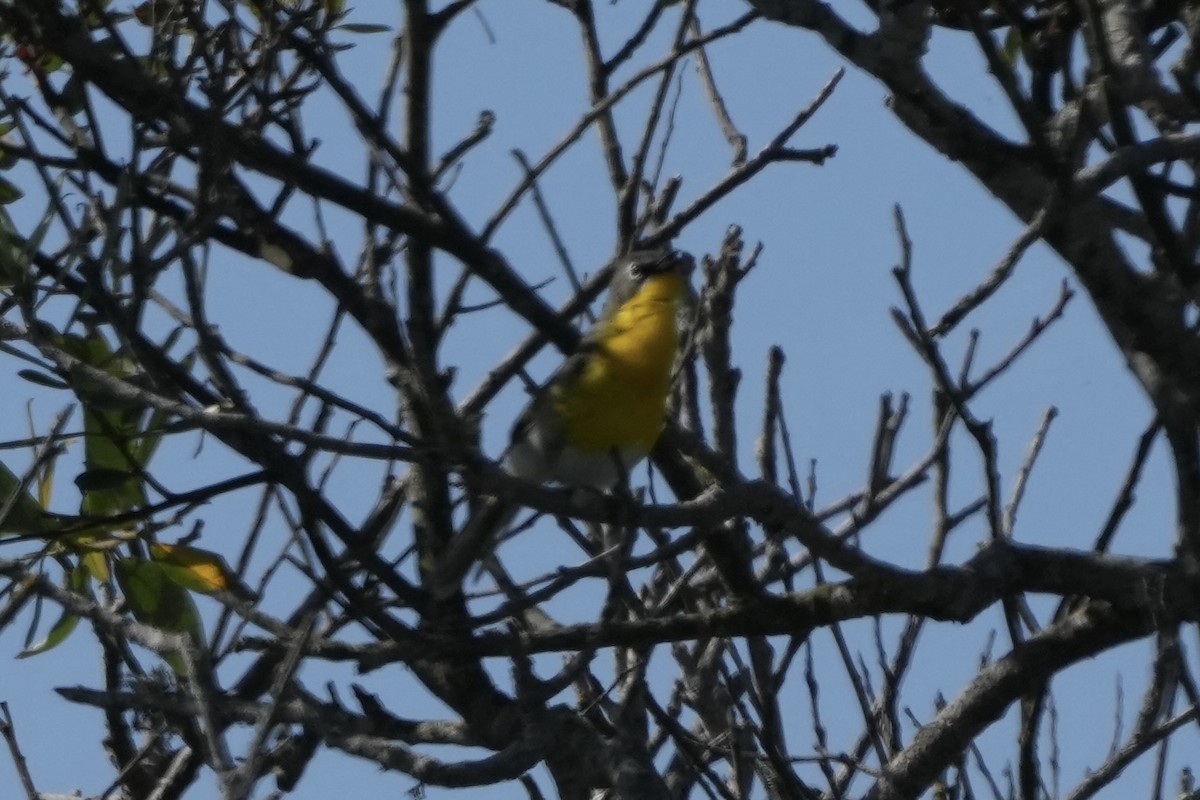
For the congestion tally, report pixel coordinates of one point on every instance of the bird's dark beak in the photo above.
(670, 261)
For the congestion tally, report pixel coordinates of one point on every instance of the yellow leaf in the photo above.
(96, 564)
(197, 569)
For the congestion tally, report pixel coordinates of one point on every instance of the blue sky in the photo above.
(822, 291)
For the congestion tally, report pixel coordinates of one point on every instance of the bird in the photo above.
(601, 412)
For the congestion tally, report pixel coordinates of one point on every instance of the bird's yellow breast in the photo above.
(617, 401)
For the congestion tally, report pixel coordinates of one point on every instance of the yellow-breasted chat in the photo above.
(601, 412)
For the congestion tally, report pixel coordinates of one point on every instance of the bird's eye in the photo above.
(637, 270)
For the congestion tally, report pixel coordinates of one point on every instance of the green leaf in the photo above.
(8, 158)
(95, 16)
(363, 27)
(9, 192)
(78, 580)
(73, 96)
(14, 259)
(17, 252)
(41, 379)
(1013, 46)
(156, 426)
(25, 515)
(156, 600)
(45, 481)
(111, 430)
(159, 421)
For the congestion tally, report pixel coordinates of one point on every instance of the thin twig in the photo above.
(775, 151)
(602, 107)
(242, 779)
(737, 140)
(9, 732)
(543, 209)
(1036, 329)
(1035, 447)
(1125, 497)
(999, 274)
